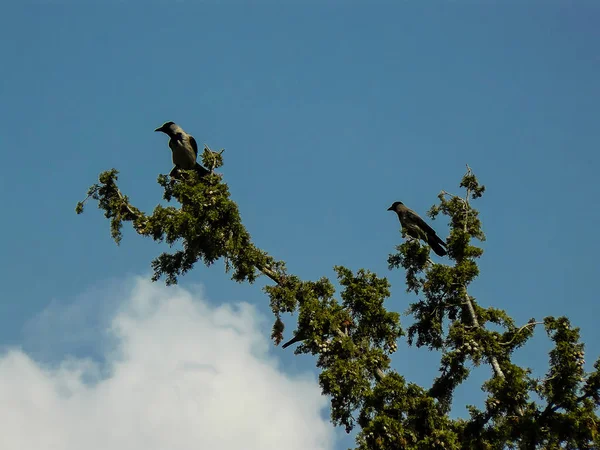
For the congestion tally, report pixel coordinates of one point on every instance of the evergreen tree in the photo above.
(354, 336)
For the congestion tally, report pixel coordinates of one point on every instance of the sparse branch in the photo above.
(216, 157)
(493, 360)
(271, 274)
(527, 325)
(467, 299)
(449, 194)
(466, 199)
(553, 407)
(93, 190)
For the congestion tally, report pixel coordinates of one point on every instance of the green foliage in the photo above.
(352, 337)
(212, 160)
(207, 224)
(398, 415)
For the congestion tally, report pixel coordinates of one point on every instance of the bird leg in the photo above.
(175, 175)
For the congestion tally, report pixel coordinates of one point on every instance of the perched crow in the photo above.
(416, 227)
(184, 148)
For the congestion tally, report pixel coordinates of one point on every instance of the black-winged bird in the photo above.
(415, 227)
(184, 149)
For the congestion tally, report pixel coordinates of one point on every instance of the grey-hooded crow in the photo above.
(184, 149)
(414, 226)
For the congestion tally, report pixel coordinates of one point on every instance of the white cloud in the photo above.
(181, 374)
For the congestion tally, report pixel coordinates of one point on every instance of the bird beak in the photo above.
(158, 129)
(390, 208)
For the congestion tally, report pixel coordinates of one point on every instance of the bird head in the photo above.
(167, 127)
(394, 206)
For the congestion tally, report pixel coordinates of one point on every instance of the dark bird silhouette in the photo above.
(184, 149)
(299, 337)
(415, 227)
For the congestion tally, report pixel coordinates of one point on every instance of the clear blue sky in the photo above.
(328, 113)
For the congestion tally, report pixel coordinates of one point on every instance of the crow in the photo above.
(184, 149)
(414, 226)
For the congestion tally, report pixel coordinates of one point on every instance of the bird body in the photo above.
(183, 147)
(414, 226)
(182, 157)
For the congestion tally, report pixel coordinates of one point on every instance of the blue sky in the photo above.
(328, 113)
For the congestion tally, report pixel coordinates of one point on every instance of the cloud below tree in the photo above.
(178, 374)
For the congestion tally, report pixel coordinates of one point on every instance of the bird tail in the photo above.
(437, 248)
(201, 171)
(437, 244)
(291, 341)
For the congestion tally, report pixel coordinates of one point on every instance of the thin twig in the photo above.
(545, 380)
(577, 400)
(466, 201)
(89, 196)
(126, 204)
(449, 194)
(530, 324)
